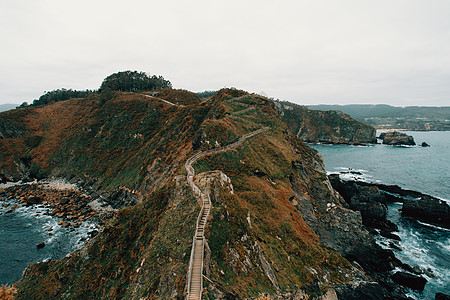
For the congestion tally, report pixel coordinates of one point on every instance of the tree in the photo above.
(131, 81)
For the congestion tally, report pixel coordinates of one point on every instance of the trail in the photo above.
(168, 102)
(195, 278)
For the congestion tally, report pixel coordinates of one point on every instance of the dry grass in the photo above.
(7, 292)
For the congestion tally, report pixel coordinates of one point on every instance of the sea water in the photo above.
(24, 228)
(422, 169)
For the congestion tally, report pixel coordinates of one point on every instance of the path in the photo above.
(195, 278)
(149, 96)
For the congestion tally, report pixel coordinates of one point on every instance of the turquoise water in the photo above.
(426, 170)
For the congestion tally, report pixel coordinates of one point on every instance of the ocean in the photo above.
(422, 169)
(24, 228)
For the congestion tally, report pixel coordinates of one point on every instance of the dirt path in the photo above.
(195, 278)
(149, 96)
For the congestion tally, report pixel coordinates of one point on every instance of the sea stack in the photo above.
(396, 138)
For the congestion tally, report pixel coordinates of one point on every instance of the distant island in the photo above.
(382, 116)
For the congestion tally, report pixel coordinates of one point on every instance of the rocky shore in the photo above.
(73, 206)
(370, 200)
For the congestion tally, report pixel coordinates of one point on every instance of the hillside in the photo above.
(385, 116)
(332, 127)
(276, 225)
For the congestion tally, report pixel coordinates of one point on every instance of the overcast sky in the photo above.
(308, 52)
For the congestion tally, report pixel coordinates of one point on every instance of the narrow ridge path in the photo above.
(157, 98)
(195, 278)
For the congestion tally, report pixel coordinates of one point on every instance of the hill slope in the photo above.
(276, 224)
(332, 127)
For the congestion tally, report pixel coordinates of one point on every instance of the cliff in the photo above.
(334, 127)
(276, 225)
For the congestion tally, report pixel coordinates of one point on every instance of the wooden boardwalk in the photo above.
(195, 275)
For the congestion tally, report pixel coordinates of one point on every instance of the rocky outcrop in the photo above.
(396, 138)
(428, 209)
(360, 290)
(332, 127)
(412, 281)
(366, 199)
(442, 296)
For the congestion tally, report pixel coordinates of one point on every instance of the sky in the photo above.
(393, 52)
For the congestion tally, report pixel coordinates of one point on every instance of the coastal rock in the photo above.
(441, 296)
(425, 144)
(366, 199)
(3, 178)
(412, 281)
(360, 290)
(397, 138)
(33, 200)
(428, 209)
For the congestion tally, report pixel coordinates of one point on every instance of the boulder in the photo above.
(412, 281)
(40, 245)
(425, 144)
(428, 209)
(33, 200)
(398, 138)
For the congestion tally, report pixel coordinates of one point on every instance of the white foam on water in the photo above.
(433, 226)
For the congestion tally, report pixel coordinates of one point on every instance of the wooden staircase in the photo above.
(195, 275)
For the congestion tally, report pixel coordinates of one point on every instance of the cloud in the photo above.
(323, 51)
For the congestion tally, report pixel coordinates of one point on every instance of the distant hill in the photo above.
(8, 106)
(385, 116)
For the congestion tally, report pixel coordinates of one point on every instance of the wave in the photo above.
(433, 226)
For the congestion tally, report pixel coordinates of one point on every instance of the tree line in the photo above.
(126, 81)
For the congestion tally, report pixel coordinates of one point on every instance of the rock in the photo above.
(428, 209)
(412, 281)
(5, 204)
(65, 224)
(398, 138)
(360, 290)
(389, 235)
(366, 199)
(395, 246)
(425, 144)
(64, 201)
(33, 200)
(441, 296)
(40, 245)
(9, 211)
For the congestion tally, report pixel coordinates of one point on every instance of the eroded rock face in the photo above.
(396, 138)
